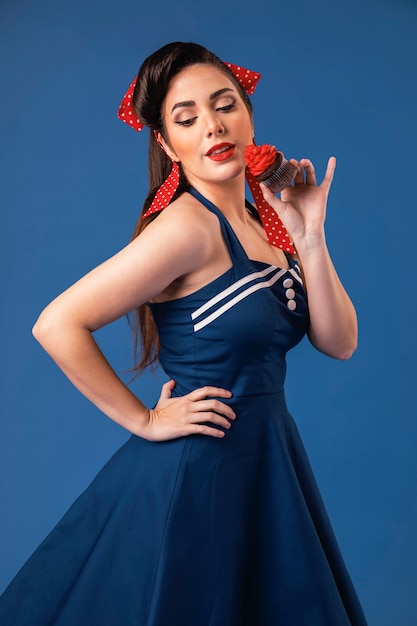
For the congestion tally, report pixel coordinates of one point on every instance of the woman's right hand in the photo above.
(189, 414)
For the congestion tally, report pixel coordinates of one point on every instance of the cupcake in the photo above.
(269, 166)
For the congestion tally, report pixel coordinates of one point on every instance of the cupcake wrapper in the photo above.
(282, 177)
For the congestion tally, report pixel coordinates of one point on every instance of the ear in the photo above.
(165, 147)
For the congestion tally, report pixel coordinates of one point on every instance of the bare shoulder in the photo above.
(186, 214)
(184, 227)
(176, 245)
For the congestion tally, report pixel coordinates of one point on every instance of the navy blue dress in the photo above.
(199, 531)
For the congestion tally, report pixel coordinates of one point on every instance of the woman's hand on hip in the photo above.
(196, 413)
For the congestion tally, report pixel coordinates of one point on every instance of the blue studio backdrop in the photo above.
(338, 78)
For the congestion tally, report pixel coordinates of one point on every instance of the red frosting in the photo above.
(259, 158)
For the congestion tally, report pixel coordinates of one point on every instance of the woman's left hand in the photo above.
(302, 206)
(302, 209)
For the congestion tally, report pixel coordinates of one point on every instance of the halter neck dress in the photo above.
(200, 531)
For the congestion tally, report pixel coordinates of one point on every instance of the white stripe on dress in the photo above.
(226, 292)
(244, 294)
(294, 272)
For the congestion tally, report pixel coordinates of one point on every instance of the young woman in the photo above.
(209, 515)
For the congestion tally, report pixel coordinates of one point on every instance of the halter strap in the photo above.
(234, 247)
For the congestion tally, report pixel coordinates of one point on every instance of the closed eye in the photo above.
(186, 122)
(227, 107)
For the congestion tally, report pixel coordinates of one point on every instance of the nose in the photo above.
(214, 126)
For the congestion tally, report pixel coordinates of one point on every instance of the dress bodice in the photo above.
(235, 331)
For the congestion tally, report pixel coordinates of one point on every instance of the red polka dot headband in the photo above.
(246, 78)
(274, 228)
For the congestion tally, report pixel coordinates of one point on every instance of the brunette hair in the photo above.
(150, 91)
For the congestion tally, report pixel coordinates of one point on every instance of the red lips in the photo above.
(221, 151)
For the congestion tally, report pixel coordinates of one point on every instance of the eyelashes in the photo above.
(186, 122)
(224, 109)
(227, 107)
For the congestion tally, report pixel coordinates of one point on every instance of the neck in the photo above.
(228, 196)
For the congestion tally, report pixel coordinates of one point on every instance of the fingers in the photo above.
(328, 177)
(202, 429)
(204, 400)
(206, 392)
(272, 199)
(201, 411)
(214, 408)
(310, 173)
(266, 192)
(299, 177)
(167, 389)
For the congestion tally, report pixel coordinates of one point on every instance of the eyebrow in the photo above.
(191, 103)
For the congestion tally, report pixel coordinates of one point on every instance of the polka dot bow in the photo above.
(246, 78)
(275, 230)
(126, 112)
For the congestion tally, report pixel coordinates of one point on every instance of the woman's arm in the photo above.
(302, 208)
(333, 324)
(164, 251)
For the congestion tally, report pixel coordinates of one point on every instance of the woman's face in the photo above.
(207, 124)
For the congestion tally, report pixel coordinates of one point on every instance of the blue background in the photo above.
(338, 78)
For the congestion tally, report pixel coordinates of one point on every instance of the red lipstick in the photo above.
(221, 151)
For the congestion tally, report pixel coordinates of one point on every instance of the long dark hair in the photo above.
(151, 88)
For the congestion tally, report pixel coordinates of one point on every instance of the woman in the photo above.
(209, 515)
